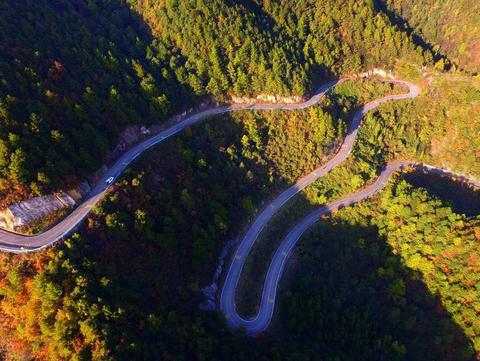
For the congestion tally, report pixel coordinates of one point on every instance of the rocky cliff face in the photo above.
(26, 212)
(378, 72)
(268, 98)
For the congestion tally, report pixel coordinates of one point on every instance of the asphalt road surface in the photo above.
(18, 243)
(227, 297)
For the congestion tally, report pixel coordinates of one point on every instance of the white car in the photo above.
(109, 180)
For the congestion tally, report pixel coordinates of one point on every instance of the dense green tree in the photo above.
(64, 99)
(451, 27)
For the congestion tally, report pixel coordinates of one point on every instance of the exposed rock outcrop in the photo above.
(209, 292)
(378, 72)
(26, 212)
(268, 98)
(135, 134)
(129, 136)
(79, 191)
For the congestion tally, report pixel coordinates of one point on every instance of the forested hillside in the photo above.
(74, 74)
(128, 284)
(228, 47)
(378, 280)
(281, 47)
(442, 125)
(165, 224)
(431, 129)
(450, 26)
(346, 35)
(393, 278)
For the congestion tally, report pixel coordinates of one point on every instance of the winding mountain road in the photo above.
(267, 304)
(17, 243)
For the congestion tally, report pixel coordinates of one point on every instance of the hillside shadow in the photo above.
(353, 298)
(83, 71)
(194, 193)
(197, 191)
(318, 73)
(461, 197)
(187, 220)
(405, 26)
